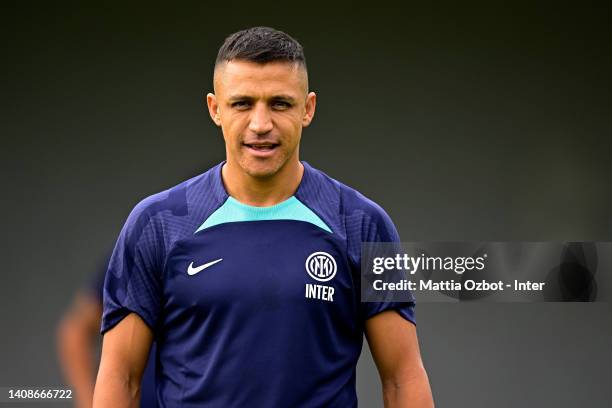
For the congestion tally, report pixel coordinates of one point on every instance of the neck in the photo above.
(262, 191)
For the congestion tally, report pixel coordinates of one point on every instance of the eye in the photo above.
(240, 105)
(281, 105)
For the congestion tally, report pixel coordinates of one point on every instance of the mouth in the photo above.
(261, 149)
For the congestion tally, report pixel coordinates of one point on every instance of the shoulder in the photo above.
(361, 215)
(178, 207)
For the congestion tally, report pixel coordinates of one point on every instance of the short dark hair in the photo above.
(261, 45)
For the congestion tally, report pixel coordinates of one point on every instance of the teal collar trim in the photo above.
(235, 211)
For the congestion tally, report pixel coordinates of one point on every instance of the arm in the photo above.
(76, 336)
(124, 355)
(395, 349)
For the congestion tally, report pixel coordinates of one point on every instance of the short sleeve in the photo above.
(132, 283)
(372, 224)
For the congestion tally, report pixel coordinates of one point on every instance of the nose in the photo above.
(261, 120)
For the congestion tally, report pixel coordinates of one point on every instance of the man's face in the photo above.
(261, 109)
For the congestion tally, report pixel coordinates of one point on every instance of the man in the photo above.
(247, 276)
(78, 334)
(76, 337)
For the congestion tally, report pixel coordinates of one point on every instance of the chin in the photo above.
(261, 170)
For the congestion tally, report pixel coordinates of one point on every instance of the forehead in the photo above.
(245, 77)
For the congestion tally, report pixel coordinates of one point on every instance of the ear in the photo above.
(311, 104)
(213, 108)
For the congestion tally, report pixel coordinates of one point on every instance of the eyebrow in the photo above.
(280, 97)
(283, 97)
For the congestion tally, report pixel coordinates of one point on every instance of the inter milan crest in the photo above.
(321, 266)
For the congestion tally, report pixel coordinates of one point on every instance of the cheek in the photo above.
(232, 130)
(290, 127)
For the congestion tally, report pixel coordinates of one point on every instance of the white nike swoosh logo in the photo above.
(192, 271)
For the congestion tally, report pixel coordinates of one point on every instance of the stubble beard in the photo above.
(265, 169)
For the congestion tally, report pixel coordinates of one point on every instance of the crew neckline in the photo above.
(287, 201)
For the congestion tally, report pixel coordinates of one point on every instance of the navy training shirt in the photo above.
(250, 306)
